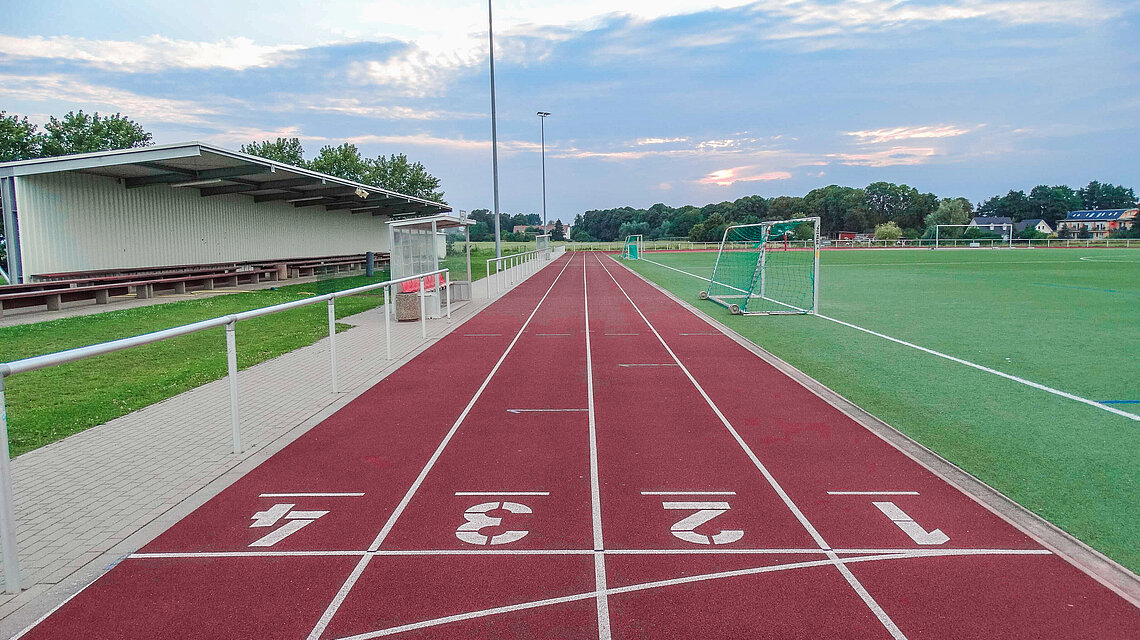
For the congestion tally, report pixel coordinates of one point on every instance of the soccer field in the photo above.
(1062, 318)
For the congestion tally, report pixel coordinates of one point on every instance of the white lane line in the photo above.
(603, 601)
(544, 410)
(338, 600)
(471, 615)
(886, 621)
(916, 552)
(502, 493)
(974, 365)
(872, 493)
(688, 493)
(648, 364)
(311, 495)
(243, 554)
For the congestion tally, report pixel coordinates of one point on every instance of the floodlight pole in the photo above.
(542, 115)
(494, 135)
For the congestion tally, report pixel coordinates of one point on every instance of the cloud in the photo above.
(894, 134)
(356, 107)
(895, 156)
(728, 177)
(645, 141)
(61, 88)
(151, 53)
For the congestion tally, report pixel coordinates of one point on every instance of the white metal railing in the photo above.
(514, 267)
(7, 516)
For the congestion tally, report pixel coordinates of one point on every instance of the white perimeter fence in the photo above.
(7, 517)
(928, 243)
(510, 269)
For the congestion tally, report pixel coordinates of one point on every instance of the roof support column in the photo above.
(11, 230)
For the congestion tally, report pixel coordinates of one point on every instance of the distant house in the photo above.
(521, 228)
(994, 224)
(1098, 222)
(1037, 224)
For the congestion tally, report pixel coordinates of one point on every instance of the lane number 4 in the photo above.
(478, 520)
(704, 512)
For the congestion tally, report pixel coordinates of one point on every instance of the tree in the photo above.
(1053, 203)
(19, 138)
(559, 232)
(78, 132)
(344, 161)
(949, 211)
(285, 150)
(395, 173)
(1106, 196)
(711, 230)
(887, 231)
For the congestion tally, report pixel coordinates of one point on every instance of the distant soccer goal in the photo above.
(542, 245)
(633, 248)
(948, 235)
(768, 268)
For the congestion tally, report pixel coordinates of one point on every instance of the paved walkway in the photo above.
(86, 501)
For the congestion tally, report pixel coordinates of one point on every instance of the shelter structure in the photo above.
(185, 204)
(418, 245)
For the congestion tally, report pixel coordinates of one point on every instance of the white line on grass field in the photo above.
(1007, 376)
(338, 600)
(884, 619)
(595, 484)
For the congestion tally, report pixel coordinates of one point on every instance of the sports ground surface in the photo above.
(605, 464)
(1065, 318)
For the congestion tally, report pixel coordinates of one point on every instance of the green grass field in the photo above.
(50, 404)
(1042, 314)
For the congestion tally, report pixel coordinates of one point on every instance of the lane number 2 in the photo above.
(478, 520)
(704, 511)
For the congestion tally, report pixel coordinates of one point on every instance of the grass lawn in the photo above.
(1041, 314)
(50, 404)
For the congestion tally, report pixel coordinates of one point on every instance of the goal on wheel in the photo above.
(768, 268)
(542, 246)
(633, 248)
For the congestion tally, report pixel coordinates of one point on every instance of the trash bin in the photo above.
(407, 306)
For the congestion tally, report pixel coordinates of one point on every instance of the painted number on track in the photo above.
(704, 511)
(296, 520)
(478, 520)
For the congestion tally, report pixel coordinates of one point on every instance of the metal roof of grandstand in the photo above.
(214, 171)
(1098, 214)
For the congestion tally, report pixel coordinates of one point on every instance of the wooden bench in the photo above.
(101, 293)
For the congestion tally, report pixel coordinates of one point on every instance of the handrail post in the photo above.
(447, 292)
(7, 514)
(423, 311)
(231, 366)
(388, 320)
(332, 342)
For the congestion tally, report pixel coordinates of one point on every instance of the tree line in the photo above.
(889, 210)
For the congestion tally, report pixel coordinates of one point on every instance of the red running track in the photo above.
(587, 459)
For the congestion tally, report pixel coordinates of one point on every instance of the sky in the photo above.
(673, 101)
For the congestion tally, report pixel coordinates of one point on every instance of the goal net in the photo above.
(768, 268)
(542, 246)
(633, 248)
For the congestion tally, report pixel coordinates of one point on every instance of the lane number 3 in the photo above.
(478, 520)
(704, 511)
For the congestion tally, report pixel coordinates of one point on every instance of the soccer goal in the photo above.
(954, 238)
(768, 268)
(542, 246)
(633, 248)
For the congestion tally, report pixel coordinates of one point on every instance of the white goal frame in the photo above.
(636, 239)
(1004, 225)
(761, 267)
